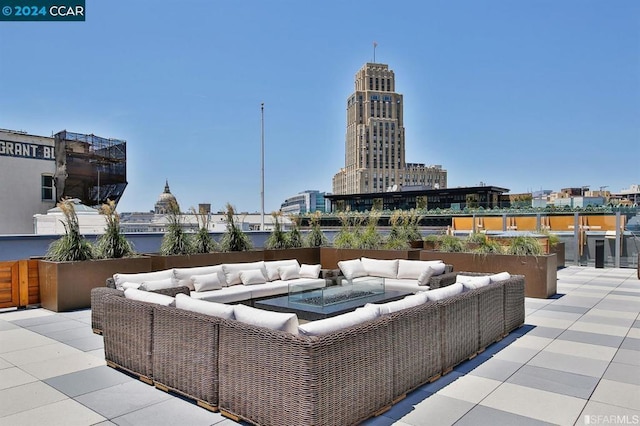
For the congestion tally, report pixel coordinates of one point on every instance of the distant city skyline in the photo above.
(522, 95)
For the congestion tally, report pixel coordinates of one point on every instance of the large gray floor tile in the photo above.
(569, 363)
(592, 338)
(564, 308)
(630, 343)
(13, 376)
(623, 373)
(122, 399)
(86, 344)
(26, 397)
(15, 340)
(71, 334)
(437, 410)
(555, 381)
(485, 416)
(534, 403)
(62, 413)
(62, 365)
(618, 394)
(45, 329)
(627, 356)
(496, 369)
(6, 325)
(546, 332)
(171, 412)
(40, 320)
(89, 380)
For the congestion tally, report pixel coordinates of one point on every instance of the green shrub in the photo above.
(72, 246)
(449, 243)
(175, 240)
(277, 239)
(294, 237)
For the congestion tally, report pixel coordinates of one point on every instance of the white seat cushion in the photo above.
(184, 275)
(329, 325)
(140, 277)
(272, 288)
(147, 296)
(232, 270)
(352, 268)
(261, 318)
(444, 292)
(214, 309)
(380, 268)
(410, 286)
(236, 293)
(411, 269)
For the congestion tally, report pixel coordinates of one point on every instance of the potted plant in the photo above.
(278, 238)
(234, 238)
(202, 241)
(175, 240)
(112, 244)
(315, 237)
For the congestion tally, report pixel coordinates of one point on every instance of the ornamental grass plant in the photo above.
(315, 237)
(234, 238)
(112, 244)
(72, 246)
(175, 240)
(202, 241)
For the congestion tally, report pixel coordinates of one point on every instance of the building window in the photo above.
(47, 188)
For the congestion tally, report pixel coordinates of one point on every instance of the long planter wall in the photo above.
(66, 286)
(540, 272)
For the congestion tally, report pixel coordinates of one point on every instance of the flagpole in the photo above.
(262, 175)
(374, 51)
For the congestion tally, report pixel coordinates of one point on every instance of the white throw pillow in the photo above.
(157, 284)
(130, 285)
(252, 276)
(208, 282)
(499, 277)
(411, 269)
(424, 277)
(141, 277)
(272, 267)
(471, 283)
(147, 296)
(329, 325)
(352, 269)
(444, 292)
(431, 271)
(261, 318)
(380, 268)
(398, 305)
(214, 309)
(184, 275)
(309, 271)
(232, 270)
(289, 272)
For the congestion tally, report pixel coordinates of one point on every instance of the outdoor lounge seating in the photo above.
(251, 372)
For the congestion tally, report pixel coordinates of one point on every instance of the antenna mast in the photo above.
(262, 180)
(375, 44)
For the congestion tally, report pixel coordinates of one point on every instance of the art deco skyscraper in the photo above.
(375, 139)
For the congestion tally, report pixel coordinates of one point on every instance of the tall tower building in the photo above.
(375, 139)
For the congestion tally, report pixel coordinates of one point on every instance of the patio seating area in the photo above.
(576, 359)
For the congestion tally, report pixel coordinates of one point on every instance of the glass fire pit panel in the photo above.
(317, 294)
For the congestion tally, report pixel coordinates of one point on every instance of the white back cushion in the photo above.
(380, 268)
(157, 284)
(232, 270)
(352, 268)
(267, 319)
(214, 309)
(272, 267)
(143, 276)
(398, 305)
(146, 296)
(184, 275)
(130, 285)
(444, 292)
(471, 283)
(309, 271)
(499, 277)
(208, 282)
(329, 325)
(411, 269)
(252, 276)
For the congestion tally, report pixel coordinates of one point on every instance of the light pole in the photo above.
(262, 168)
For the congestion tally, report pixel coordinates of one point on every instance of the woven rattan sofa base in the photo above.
(97, 304)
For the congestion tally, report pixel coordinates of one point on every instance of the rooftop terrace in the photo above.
(575, 361)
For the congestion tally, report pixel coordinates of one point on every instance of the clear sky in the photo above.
(525, 95)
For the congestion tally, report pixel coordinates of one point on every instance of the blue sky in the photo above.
(519, 94)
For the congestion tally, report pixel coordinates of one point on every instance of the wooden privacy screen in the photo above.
(19, 285)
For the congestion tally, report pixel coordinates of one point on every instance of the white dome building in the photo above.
(165, 201)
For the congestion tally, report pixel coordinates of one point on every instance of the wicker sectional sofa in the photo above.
(268, 376)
